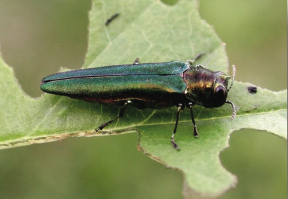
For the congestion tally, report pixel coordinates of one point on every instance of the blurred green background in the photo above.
(39, 36)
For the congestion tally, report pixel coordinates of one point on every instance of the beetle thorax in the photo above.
(201, 84)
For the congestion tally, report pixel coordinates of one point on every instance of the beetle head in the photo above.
(219, 93)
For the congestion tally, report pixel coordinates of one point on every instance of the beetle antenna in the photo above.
(234, 109)
(233, 78)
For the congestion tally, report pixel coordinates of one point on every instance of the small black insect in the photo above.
(252, 89)
(111, 19)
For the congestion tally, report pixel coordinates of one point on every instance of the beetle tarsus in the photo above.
(175, 146)
(195, 132)
(136, 61)
(103, 125)
(121, 114)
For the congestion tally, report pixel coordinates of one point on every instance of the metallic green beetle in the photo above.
(147, 85)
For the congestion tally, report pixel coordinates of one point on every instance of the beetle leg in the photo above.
(136, 61)
(175, 128)
(193, 121)
(121, 114)
(191, 62)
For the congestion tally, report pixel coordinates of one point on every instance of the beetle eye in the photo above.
(220, 96)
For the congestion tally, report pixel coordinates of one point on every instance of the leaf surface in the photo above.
(154, 32)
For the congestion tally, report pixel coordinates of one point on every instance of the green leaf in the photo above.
(154, 32)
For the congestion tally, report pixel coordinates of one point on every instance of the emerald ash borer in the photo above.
(145, 86)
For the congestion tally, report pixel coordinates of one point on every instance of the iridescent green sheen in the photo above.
(163, 68)
(149, 87)
(157, 84)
